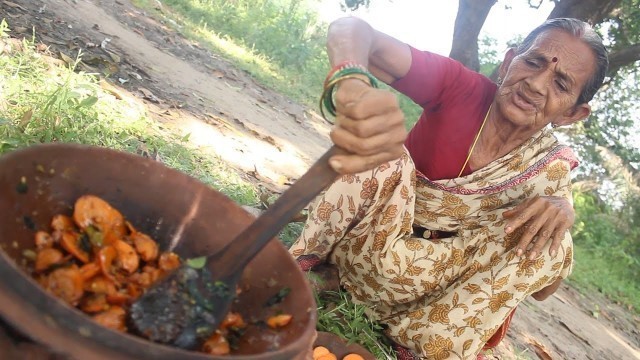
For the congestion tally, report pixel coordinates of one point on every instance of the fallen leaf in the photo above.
(110, 89)
(66, 59)
(218, 74)
(26, 117)
(114, 57)
(14, 5)
(148, 95)
(542, 353)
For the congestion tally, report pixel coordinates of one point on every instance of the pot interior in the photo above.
(177, 211)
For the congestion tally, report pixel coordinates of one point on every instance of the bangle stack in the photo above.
(342, 71)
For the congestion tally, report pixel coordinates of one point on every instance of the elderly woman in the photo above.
(442, 233)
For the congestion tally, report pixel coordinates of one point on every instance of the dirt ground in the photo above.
(271, 141)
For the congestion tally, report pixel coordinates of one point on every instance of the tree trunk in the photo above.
(469, 20)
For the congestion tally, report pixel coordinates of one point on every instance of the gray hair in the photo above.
(584, 32)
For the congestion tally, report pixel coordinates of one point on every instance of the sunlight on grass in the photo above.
(229, 48)
(42, 100)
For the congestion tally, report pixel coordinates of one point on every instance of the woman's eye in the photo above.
(561, 86)
(531, 63)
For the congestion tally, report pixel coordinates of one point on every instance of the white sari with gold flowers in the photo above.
(442, 298)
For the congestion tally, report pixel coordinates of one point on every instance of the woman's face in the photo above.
(542, 85)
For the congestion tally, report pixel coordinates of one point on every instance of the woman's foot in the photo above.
(324, 277)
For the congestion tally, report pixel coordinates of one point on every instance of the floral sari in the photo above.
(441, 297)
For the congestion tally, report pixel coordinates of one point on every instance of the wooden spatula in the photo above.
(187, 306)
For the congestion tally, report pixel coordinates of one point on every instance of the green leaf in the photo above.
(88, 101)
(197, 263)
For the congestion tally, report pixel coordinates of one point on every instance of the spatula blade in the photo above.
(184, 309)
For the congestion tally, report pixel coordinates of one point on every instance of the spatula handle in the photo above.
(246, 245)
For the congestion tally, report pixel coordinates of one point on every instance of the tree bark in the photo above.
(469, 20)
(623, 57)
(591, 11)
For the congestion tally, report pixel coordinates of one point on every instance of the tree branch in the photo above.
(623, 57)
(469, 20)
(591, 11)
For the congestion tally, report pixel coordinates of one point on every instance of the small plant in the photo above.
(337, 314)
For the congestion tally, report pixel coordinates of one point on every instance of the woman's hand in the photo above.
(545, 218)
(369, 125)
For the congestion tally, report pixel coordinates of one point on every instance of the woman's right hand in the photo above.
(369, 125)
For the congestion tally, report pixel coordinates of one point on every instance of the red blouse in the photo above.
(455, 101)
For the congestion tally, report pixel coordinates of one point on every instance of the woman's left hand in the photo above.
(545, 218)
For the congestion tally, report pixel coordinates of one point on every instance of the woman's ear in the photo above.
(577, 113)
(508, 57)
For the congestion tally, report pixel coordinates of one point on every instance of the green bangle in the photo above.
(326, 100)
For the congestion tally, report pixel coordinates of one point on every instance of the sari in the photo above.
(443, 298)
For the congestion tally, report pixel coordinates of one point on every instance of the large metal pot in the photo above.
(38, 182)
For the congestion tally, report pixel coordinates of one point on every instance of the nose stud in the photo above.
(554, 59)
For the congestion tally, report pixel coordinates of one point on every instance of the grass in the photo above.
(41, 102)
(609, 274)
(300, 80)
(296, 73)
(337, 314)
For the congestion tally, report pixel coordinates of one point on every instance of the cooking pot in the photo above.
(179, 212)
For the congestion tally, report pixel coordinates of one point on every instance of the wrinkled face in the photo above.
(542, 85)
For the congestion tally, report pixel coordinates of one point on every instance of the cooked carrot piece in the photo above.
(278, 321)
(216, 345)
(43, 240)
(328, 356)
(92, 210)
(353, 356)
(106, 256)
(319, 351)
(113, 318)
(127, 257)
(48, 257)
(145, 246)
(100, 285)
(62, 223)
(67, 284)
(118, 298)
(154, 273)
(71, 242)
(89, 270)
(168, 261)
(232, 319)
(133, 290)
(94, 303)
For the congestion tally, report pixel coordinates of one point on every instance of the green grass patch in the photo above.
(608, 272)
(337, 314)
(280, 43)
(41, 102)
(607, 252)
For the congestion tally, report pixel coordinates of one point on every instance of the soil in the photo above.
(271, 141)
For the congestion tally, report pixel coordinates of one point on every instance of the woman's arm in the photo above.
(547, 291)
(369, 123)
(352, 39)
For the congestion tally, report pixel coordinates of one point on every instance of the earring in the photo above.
(499, 81)
(554, 125)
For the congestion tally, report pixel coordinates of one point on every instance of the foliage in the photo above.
(354, 4)
(607, 257)
(337, 314)
(284, 39)
(488, 55)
